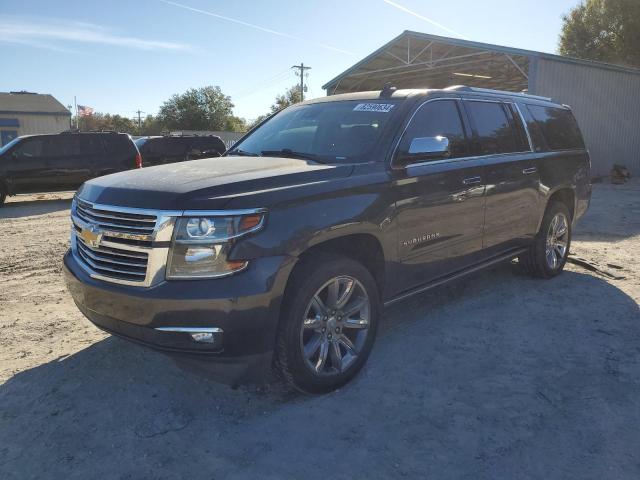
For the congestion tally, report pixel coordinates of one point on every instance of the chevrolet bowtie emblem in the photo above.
(91, 236)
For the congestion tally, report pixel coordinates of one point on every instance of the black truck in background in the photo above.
(283, 252)
(64, 161)
(160, 150)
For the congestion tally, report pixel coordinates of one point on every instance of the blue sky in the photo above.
(119, 56)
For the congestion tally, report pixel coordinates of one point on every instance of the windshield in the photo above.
(6, 147)
(329, 132)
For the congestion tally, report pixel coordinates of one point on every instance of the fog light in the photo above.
(203, 337)
(197, 334)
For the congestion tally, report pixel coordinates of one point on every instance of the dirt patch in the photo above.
(495, 376)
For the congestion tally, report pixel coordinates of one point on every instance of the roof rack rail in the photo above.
(466, 88)
(76, 130)
(182, 134)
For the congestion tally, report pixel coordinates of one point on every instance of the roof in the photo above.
(411, 51)
(31, 103)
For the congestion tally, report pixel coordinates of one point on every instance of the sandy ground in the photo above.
(495, 376)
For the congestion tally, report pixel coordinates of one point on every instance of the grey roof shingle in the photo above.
(31, 103)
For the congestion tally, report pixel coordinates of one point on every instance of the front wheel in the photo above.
(548, 253)
(329, 323)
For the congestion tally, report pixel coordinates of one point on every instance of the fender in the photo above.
(294, 228)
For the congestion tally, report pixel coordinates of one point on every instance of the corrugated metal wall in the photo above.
(32, 124)
(606, 104)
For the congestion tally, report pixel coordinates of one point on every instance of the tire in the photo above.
(538, 260)
(3, 194)
(314, 323)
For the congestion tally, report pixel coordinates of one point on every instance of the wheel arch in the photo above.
(364, 248)
(564, 194)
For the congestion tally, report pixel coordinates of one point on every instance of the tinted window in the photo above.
(439, 118)
(495, 133)
(209, 144)
(30, 148)
(117, 143)
(176, 146)
(90, 145)
(558, 126)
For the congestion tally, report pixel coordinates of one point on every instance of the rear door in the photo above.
(440, 202)
(512, 179)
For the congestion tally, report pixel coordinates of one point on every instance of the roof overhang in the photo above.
(417, 60)
(421, 60)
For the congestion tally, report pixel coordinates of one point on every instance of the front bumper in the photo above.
(245, 307)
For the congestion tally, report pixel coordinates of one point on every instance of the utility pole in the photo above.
(301, 68)
(139, 119)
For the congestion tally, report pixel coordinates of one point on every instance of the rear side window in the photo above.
(496, 133)
(90, 145)
(207, 144)
(438, 118)
(118, 144)
(558, 127)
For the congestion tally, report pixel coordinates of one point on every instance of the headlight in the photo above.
(201, 245)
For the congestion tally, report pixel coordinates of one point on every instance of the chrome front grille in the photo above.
(114, 262)
(121, 245)
(107, 218)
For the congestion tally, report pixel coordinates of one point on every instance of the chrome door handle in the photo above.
(471, 180)
(529, 171)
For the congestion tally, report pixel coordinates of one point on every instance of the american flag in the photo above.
(84, 111)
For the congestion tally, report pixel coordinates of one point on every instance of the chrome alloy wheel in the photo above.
(557, 240)
(335, 326)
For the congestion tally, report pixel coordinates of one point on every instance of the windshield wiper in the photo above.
(287, 152)
(242, 153)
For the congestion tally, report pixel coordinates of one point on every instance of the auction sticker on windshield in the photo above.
(373, 107)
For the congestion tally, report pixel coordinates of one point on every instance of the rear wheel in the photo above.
(548, 253)
(329, 323)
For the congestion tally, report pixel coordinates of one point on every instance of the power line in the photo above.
(301, 68)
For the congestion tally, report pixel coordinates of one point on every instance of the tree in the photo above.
(603, 30)
(205, 108)
(105, 121)
(289, 97)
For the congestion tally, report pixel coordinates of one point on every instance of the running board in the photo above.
(455, 276)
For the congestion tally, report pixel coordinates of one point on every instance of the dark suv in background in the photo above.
(42, 163)
(285, 251)
(178, 148)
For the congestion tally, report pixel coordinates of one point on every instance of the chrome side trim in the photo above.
(190, 329)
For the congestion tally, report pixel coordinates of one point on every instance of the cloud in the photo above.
(422, 17)
(49, 33)
(256, 27)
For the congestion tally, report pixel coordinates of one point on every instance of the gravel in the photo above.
(494, 376)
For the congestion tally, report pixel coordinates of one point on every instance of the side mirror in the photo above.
(425, 148)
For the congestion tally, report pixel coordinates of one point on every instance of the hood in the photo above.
(205, 184)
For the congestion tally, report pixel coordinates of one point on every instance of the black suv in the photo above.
(285, 251)
(172, 149)
(43, 163)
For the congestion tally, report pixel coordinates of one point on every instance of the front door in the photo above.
(440, 201)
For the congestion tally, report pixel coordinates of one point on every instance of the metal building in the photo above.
(605, 98)
(25, 113)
